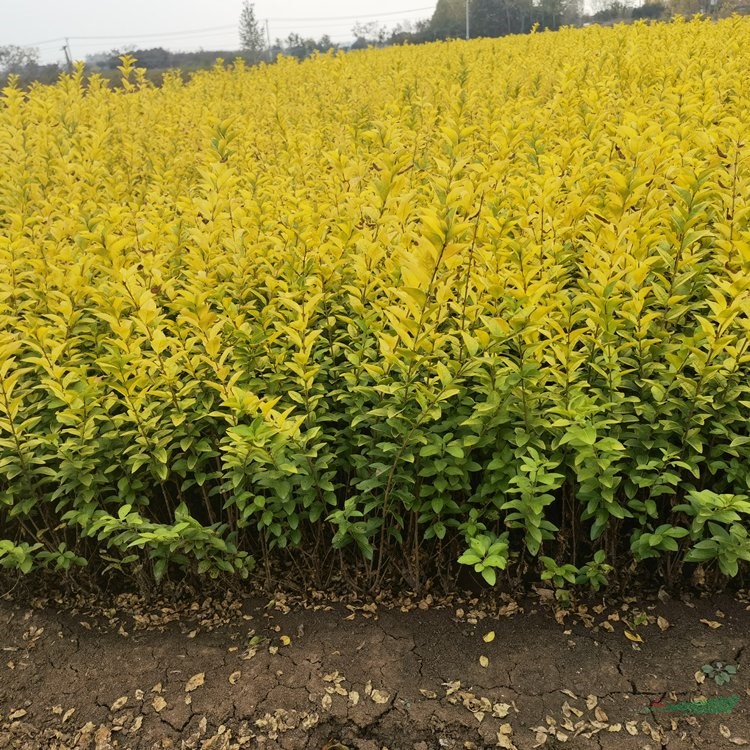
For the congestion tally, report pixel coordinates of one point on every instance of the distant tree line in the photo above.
(24, 62)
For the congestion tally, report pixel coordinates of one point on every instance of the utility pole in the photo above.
(268, 41)
(467, 19)
(68, 56)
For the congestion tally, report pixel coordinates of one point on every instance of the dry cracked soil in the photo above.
(268, 673)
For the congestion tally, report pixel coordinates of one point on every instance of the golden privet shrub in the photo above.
(486, 299)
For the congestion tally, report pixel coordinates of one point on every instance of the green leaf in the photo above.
(470, 558)
(490, 576)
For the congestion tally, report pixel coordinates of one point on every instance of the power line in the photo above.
(46, 41)
(150, 35)
(354, 18)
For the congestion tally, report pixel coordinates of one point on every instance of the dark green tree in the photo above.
(449, 19)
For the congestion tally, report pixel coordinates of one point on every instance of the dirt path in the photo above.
(370, 678)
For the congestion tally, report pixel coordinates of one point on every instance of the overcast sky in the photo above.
(184, 24)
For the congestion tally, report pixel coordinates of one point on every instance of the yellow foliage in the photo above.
(236, 249)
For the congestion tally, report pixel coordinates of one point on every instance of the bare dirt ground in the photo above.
(260, 673)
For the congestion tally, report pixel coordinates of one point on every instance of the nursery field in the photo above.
(384, 316)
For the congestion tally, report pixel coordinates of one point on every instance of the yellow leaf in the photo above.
(489, 637)
(195, 682)
(633, 637)
(503, 737)
(379, 696)
(119, 703)
(713, 624)
(501, 710)
(484, 661)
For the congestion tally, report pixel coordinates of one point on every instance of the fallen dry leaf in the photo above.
(489, 637)
(631, 728)
(159, 704)
(738, 741)
(503, 737)
(136, 725)
(428, 693)
(724, 731)
(452, 687)
(655, 734)
(500, 710)
(285, 640)
(325, 702)
(379, 696)
(663, 623)
(119, 703)
(566, 709)
(234, 677)
(353, 698)
(713, 624)
(102, 736)
(195, 682)
(633, 637)
(17, 714)
(591, 702)
(68, 714)
(700, 677)
(484, 662)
